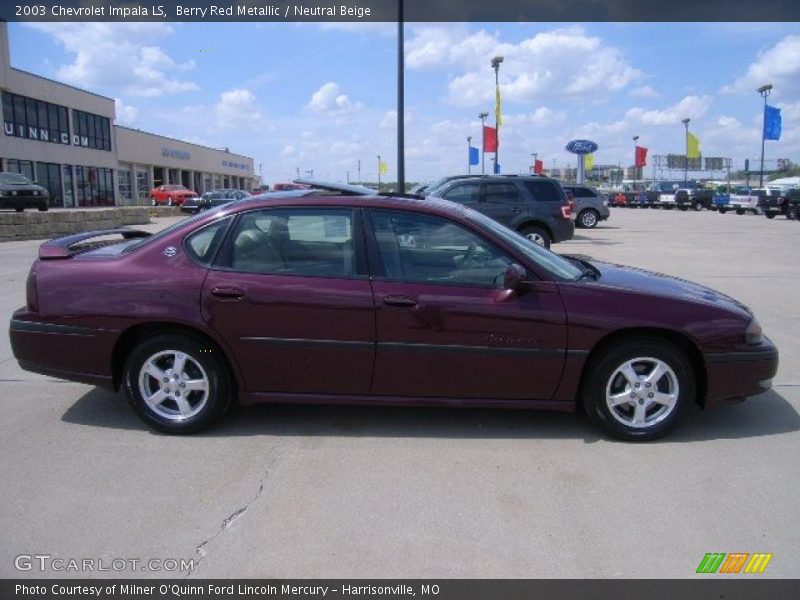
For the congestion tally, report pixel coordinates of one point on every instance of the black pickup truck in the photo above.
(692, 198)
(781, 203)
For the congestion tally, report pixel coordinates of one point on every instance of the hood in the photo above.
(647, 282)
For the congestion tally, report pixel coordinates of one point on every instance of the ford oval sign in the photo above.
(581, 147)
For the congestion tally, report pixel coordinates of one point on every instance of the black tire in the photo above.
(19, 208)
(722, 211)
(602, 377)
(684, 208)
(792, 213)
(536, 234)
(153, 200)
(739, 211)
(170, 202)
(668, 206)
(588, 218)
(698, 206)
(44, 208)
(209, 407)
(769, 215)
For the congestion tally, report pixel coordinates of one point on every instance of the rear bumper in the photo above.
(65, 351)
(563, 230)
(733, 376)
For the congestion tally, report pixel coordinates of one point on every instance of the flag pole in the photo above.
(482, 117)
(686, 163)
(496, 66)
(764, 90)
(379, 173)
(401, 166)
(635, 160)
(469, 158)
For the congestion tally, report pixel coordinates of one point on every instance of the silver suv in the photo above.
(590, 205)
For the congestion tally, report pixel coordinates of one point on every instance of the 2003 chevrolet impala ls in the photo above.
(374, 300)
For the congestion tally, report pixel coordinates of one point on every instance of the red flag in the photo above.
(641, 156)
(538, 166)
(489, 139)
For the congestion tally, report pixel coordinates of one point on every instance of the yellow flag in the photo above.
(588, 162)
(498, 110)
(383, 168)
(692, 146)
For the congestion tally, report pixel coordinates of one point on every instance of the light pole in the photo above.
(496, 66)
(635, 140)
(764, 90)
(482, 117)
(533, 166)
(686, 164)
(469, 151)
(359, 171)
(401, 153)
(379, 172)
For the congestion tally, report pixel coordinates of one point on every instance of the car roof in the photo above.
(314, 198)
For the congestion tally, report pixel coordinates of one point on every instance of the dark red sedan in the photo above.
(371, 300)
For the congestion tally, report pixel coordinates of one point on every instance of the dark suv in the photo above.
(534, 206)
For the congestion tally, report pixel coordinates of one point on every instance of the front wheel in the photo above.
(769, 215)
(698, 206)
(177, 384)
(537, 235)
(170, 201)
(588, 218)
(739, 211)
(639, 390)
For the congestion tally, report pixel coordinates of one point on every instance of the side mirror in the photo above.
(516, 278)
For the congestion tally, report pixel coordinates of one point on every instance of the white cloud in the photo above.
(562, 63)
(125, 114)
(237, 108)
(329, 99)
(389, 119)
(778, 65)
(644, 91)
(115, 56)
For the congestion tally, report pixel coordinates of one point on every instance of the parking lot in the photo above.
(308, 491)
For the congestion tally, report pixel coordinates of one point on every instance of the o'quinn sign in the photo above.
(581, 147)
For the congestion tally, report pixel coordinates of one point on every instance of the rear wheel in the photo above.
(169, 201)
(588, 218)
(639, 390)
(698, 206)
(177, 384)
(43, 208)
(153, 200)
(19, 208)
(769, 215)
(536, 234)
(739, 211)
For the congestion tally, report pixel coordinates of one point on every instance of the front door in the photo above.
(445, 326)
(291, 298)
(501, 201)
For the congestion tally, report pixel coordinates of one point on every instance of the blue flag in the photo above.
(772, 123)
(497, 168)
(474, 158)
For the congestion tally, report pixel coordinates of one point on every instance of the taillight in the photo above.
(566, 211)
(31, 297)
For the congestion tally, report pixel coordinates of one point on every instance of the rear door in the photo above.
(291, 296)
(502, 201)
(547, 197)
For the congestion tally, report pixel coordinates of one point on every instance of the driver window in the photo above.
(415, 247)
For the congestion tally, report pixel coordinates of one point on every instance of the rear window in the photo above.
(544, 191)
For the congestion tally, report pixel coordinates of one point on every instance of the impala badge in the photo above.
(170, 251)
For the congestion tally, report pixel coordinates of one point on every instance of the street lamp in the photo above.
(764, 90)
(635, 139)
(496, 61)
(533, 167)
(379, 172)
(686, 163)
(469, 152)
(482, 117)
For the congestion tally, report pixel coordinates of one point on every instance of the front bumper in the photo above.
(733, 376)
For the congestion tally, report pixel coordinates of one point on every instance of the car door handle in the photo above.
(402, 301)
(227, 292)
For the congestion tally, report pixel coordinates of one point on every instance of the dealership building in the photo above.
(65, 139)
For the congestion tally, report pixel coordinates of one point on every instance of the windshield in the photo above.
(13, 179)
(551, 262)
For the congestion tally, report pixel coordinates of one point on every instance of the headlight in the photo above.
(753, 334)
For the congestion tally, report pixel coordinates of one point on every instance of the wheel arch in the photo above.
(682, 341)
(130, 337)
(533, 222)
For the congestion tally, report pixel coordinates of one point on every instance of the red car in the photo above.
(619, 199)
(171, 195)
(389, 301)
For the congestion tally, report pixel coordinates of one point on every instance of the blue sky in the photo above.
(323, 96)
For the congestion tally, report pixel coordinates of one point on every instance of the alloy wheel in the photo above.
(642, 392)
(173, 385)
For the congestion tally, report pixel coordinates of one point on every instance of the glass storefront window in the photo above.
(34, 119)
(69, 198)
(49, 175)
(125, 185)
(143, 184)
(22, 166)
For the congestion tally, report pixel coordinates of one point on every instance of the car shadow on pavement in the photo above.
(767, 414)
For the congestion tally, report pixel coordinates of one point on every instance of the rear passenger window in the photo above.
(202, 245)
(544, 191)
(309, 242)
(502, 192)
(585, 193)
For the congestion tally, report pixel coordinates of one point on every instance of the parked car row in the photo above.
(741, 201)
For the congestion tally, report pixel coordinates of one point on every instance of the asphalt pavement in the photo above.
(311, 491)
